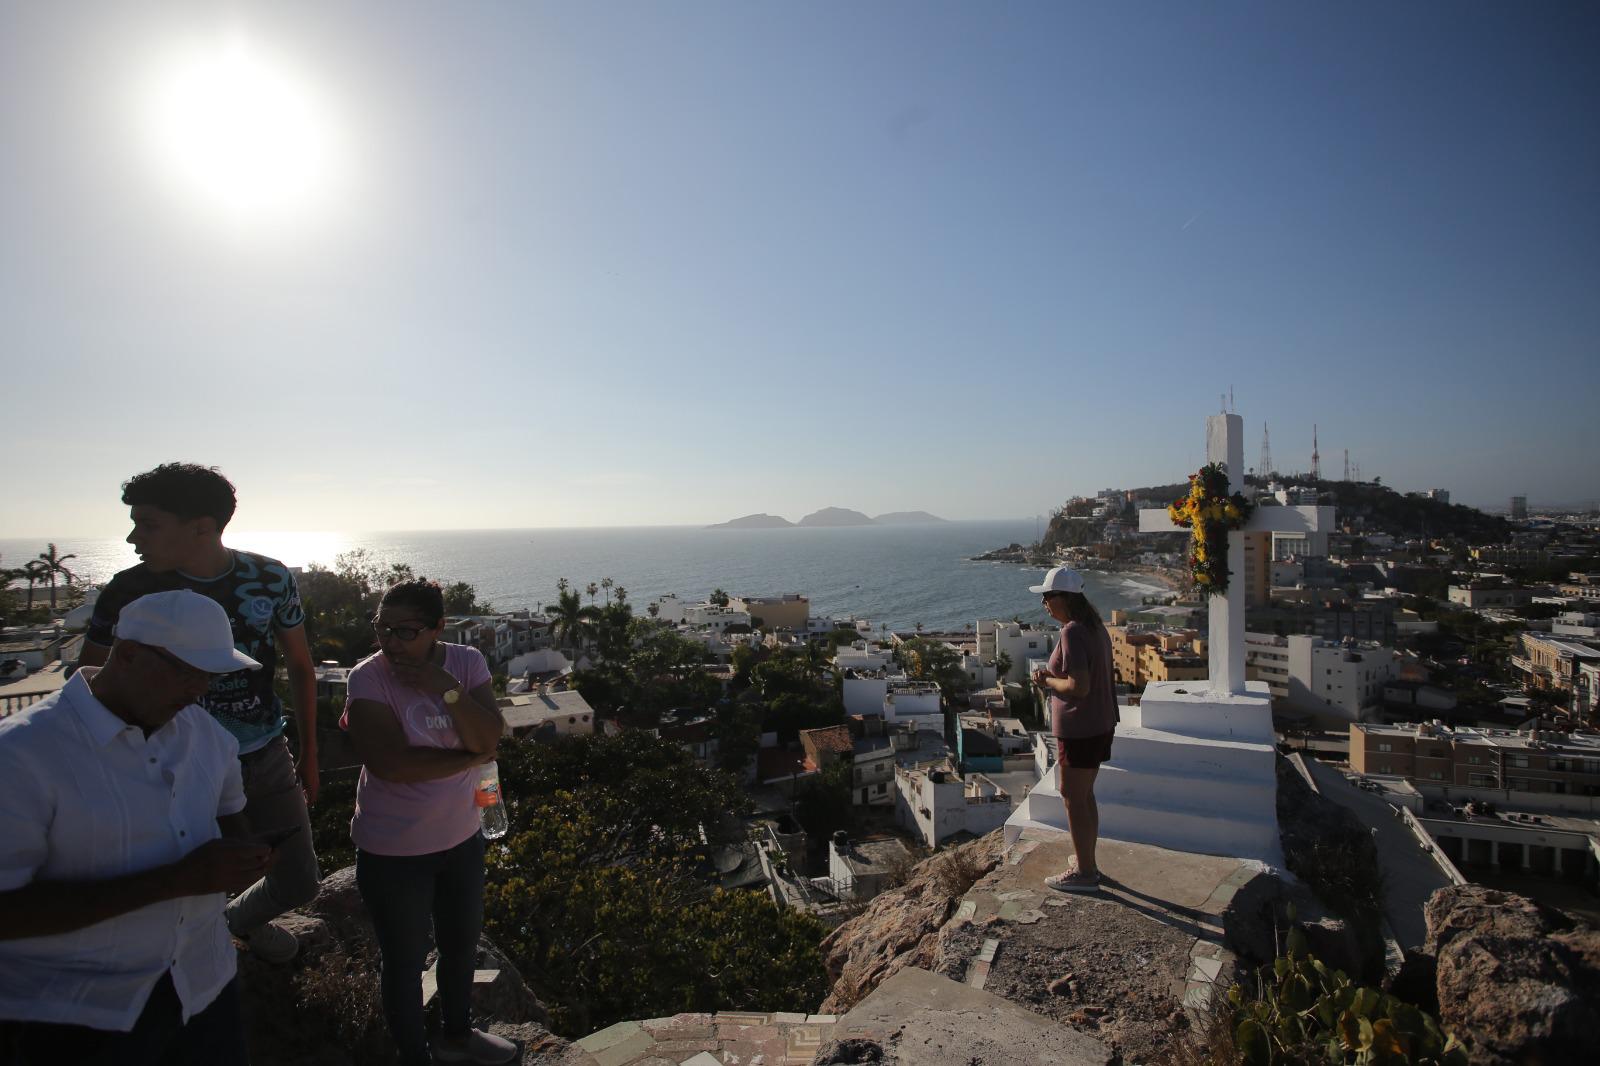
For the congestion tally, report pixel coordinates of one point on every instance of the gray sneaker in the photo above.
(477, 1047)
(1074, 881)
(270, 943)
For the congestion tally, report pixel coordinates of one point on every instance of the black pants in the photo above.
(214, 1037)
(403, 894)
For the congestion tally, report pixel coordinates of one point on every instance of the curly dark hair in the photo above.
(187, 490)
(420, 594)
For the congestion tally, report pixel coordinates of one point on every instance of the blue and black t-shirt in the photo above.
(259, 595)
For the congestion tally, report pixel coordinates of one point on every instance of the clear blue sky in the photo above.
(615, 264)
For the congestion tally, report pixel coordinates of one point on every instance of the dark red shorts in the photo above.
(1085, 753)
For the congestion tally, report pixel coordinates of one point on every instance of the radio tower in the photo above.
(1316, 460)
(1347, 464)
(1264, 471)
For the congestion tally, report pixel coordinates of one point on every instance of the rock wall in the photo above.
(323, 1008)
(1518, 982)
(903, 927)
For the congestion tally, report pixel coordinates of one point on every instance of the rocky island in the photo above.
(831, 517)
(755, 521)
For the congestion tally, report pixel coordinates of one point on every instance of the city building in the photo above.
(775, 612)
(826, 746)
(566, 713)
(1478, 596)
(1430, 753)
(860, 869)
(1019, 642)
(1509, 555)
(937, 804)
(1551, 662)
(1519, 508)
(860, 655)
(1257, 567)
(872, 773)
(1305, 673)
(1142, 654)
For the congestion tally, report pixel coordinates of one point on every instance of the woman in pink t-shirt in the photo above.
(1081, 686)
(423, 718)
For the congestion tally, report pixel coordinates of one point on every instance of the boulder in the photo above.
(1518, 982)
(323, 1008)
(900, 928)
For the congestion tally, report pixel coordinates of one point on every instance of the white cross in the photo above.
(1225, 444)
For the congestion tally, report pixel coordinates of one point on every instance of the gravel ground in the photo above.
(1095, 965)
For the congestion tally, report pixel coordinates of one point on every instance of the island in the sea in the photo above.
(830, 516)
(755, 521)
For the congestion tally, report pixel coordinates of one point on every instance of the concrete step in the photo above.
(1186, 707)
(1201, 784)
(1209, 825)
(1159, 750)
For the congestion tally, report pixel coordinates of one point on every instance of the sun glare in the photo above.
(240, 131)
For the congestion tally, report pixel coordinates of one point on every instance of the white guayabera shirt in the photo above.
(86, 796)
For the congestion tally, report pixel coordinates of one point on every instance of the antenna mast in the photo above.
(1347, 464)
(1264, 471)
(1316, 460)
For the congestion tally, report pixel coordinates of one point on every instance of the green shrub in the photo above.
(1306, 1012)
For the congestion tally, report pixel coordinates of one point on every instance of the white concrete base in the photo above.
(1189, 771)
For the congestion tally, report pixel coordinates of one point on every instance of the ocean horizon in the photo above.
(894, 575)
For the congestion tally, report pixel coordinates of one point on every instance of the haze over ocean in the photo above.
(894, 575)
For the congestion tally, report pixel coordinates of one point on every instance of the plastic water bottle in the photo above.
(491, 809)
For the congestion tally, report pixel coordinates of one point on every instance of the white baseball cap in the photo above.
(192, 627)
(1060, 579)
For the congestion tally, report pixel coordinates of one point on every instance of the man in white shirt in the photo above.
(120, 838)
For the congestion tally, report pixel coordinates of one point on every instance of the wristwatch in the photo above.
(453, 696)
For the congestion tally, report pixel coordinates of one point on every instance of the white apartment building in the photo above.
(713, 618)
(862, 656)
(894, 697)
(670, 608)
(1288, 545)
(864, 693)
(936, 804)
(568, 713)
(1018, 641)
(1308, 673)
(913, 701)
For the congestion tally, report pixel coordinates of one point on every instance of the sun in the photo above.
(239, 131)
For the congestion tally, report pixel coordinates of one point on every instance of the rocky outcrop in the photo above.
(1518, 982)
(1332, 853)
(902, 928)
(323, 1008)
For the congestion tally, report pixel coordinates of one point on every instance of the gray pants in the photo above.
(273, 802)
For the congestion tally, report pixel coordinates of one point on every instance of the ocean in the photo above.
(893, 575)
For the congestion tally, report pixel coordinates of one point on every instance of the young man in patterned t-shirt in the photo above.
(179, 511)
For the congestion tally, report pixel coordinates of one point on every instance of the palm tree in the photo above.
(606, 583)
(592, 590)
(574, 620)
(718, 597)
(34, 571)
(51, 564)
(1002, 666)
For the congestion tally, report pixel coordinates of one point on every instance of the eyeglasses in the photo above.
(179, 665)
(398, 632)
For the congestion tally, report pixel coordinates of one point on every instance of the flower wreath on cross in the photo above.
(1210, 513)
